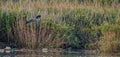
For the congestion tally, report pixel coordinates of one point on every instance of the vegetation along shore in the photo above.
(67, 24)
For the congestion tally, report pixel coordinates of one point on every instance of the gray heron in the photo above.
(37, 18)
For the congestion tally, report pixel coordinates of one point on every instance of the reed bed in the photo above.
(64, 23)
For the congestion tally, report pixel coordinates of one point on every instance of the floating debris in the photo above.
(1, 50)
(45, 50)
(7, 49)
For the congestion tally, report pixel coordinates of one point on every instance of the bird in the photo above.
(37, 18)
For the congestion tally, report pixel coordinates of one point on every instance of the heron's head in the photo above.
(38, 16)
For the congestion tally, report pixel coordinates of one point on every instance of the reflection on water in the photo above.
(59, 54)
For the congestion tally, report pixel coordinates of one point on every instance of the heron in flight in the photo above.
(37, 18)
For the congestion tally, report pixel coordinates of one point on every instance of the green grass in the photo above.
(70, 23)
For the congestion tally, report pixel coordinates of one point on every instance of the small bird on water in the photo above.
(37, 18)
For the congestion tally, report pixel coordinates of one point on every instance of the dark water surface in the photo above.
(60, 54)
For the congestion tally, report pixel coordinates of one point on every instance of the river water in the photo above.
(60, 54)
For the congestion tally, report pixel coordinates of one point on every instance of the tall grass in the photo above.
(110, 40)
(64, 23)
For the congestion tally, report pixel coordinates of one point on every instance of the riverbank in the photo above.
(65, 24)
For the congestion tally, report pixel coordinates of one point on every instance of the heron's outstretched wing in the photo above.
(37, 18)
(30, 21)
